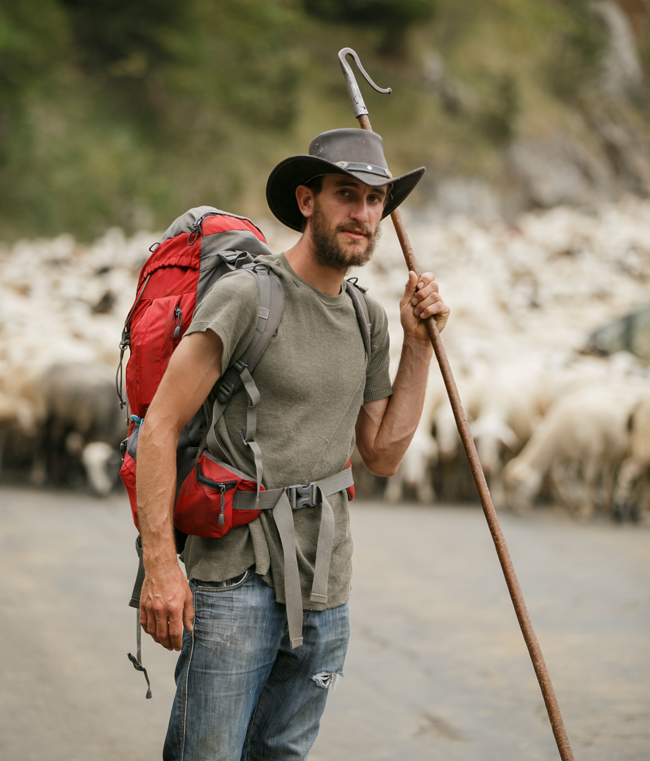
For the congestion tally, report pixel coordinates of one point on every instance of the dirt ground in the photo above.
(437, 668)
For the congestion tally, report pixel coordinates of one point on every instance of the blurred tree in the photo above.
(575, 53)
(248, 59)
(498, 113)
(34, 41)
(391, 17)
(126, 37)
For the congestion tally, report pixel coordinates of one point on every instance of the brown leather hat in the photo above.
(354, 152)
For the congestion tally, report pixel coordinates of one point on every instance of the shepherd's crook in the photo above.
(552, 707)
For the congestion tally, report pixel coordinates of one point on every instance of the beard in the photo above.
(328, 252)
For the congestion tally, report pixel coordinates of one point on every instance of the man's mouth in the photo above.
(355, 233)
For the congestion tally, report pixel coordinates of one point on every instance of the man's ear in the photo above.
(305, 198)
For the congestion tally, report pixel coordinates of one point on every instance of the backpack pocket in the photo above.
(154, 336)
(205, 501)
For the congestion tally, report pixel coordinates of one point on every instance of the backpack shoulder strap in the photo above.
(238, 374)
(356, 293)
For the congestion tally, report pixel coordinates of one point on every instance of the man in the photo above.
(243, 691)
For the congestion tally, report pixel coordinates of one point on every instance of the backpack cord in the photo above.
(137, 659)
(135, 603)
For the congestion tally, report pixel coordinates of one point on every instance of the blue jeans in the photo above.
(242, 694)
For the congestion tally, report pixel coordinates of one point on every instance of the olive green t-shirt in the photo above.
(313, 379)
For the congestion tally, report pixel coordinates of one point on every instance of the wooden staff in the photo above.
(552, 707)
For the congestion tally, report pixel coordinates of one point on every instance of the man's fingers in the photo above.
(411, 285)
(166, 606)
(425, 300)
(437, 307)
(188, 613)
(147, 620)
(426, 295)
(440, 311)
(169, 626)
(176, 631)
(162, 628)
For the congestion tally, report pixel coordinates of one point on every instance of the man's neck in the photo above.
(303, 262)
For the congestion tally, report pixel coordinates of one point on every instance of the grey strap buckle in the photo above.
(229, 381)
(305, 495)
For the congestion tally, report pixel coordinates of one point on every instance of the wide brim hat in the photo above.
(353, 152)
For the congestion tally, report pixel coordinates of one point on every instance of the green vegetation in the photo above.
(114, 112)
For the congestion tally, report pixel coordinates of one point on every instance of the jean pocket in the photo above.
(220, 586)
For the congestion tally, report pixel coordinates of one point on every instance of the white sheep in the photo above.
(582, 441)
(80, 408)
(415, 469)
(633, 475)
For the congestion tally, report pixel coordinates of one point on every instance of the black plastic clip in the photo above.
(305, 495)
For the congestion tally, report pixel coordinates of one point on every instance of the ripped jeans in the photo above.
(242, 694)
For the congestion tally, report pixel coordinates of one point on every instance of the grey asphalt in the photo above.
(437, 668)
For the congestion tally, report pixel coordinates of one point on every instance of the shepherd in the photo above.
(245, 689)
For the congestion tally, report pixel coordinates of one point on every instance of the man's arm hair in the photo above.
(166, 600)
(385, 427)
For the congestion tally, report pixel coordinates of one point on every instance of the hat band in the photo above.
(356, 166)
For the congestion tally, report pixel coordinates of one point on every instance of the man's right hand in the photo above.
(166, 606)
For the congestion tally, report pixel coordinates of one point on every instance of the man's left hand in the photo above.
(422, 300)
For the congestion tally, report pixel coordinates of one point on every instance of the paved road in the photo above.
(437, 669)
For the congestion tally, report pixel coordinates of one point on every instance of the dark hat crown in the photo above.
(352, 149)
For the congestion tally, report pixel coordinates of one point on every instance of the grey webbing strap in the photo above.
(269, 315)
(245, 500)
(283, 516)
(327, 487)
(271, 308)
(363, 316)
(323, 552)
(137, 660)
(251, 426)
(278, 500)
(135, 603)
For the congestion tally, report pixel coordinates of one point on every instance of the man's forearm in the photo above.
(156, 484)
(403, 410)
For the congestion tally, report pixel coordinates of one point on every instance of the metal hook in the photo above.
(351, 82)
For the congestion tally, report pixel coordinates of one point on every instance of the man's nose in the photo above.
(361, 211)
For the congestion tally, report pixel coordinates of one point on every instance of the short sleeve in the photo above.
(378, 385)
(229, 309)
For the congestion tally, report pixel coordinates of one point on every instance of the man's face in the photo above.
(344, 225)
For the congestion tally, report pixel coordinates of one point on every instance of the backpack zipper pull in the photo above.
(178, 314)
(222, 489)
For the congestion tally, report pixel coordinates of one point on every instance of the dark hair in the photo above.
(315, 185)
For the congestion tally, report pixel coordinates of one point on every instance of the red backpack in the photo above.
(199, 247)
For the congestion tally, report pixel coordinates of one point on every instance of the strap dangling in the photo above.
(283, 516)
(323, 551)
(136, 660)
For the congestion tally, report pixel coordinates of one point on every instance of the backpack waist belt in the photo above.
(283, 502)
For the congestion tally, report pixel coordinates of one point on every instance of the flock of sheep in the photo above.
(549, 420)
